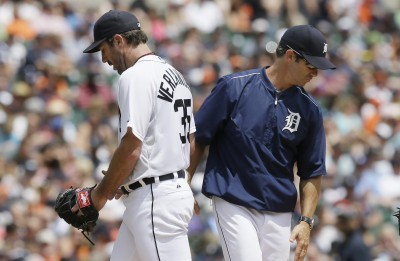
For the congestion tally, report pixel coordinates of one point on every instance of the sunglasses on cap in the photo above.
(309, 65)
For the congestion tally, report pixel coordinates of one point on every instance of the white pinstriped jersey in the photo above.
(155, 101)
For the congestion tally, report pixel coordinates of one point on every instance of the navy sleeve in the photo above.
(312, 151)
(215, 111)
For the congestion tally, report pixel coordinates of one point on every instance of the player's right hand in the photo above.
(118, 193)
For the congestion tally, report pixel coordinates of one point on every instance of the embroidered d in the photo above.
(292, 121)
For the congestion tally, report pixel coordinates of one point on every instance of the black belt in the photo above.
(126, 189)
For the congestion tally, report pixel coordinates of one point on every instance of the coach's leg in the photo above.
(237, 232)
(274, 236)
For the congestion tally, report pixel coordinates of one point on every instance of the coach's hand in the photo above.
(196, 207)
(301, 234)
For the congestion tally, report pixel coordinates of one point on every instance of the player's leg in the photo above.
(137, 221)
(274, 236)
(159, 216)
(237, 231)
(124, 248)
(172, 212)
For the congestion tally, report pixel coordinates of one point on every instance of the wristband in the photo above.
(308, 220)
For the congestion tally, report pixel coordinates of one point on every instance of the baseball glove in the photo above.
(87, 215)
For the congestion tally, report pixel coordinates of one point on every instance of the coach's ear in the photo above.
(290, 55)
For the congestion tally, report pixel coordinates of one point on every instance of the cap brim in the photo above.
(319, 62)
(94, 47)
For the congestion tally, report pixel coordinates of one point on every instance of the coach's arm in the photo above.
(309, 195)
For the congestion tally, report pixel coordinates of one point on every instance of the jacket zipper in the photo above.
(277, 97)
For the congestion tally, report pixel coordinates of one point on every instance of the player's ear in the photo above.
(118, 39)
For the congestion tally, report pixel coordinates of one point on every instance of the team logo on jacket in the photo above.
(292, 121)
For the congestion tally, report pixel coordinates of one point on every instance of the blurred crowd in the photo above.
(58, 115)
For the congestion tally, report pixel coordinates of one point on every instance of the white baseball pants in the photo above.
(155, 223)
(247, 234)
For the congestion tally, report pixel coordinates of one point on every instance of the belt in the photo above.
(126, 189)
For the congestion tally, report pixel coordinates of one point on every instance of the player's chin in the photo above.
(119, 71)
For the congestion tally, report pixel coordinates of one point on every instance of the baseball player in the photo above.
(155, 125)
(258, 124)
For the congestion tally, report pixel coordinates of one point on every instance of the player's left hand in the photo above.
(76, 207)
(301, 234)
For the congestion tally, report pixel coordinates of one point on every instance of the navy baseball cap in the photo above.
(111, 23)
(308, 42)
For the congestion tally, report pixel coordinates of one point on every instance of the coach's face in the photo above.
(299, 70)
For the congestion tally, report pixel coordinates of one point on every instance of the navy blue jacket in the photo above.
(256, 135)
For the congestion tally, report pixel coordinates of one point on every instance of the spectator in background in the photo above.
(20, 28)
(388, 185)
(352, 247)
(93, 91)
